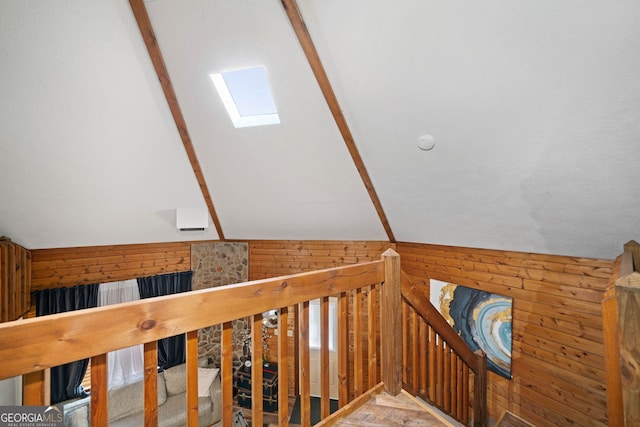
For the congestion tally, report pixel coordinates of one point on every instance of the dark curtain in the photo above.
(66, 379)
(171, 351)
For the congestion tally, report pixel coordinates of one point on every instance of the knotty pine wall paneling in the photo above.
(272, 258)
(15, 280)
(53, 268)
(558, 352)
(83, 265)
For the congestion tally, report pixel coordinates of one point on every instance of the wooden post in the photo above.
(256, 370)
(358, 372)
(480, 391)
(325, 407)
(283, 368)
(391, 327)
(33, 389)
(371, 337)
(446, 399)
(99, 394)
(633, 247)
(628, 302)
(305, 385)
(343, 349)
(615, 409)
(629, 342)
(192, 377)
(226, 373)
(150, 383)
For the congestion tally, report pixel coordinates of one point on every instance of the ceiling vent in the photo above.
(192, 219)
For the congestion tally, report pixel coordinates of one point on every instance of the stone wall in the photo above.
(218, 264)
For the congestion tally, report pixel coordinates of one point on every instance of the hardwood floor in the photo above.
(383, 410)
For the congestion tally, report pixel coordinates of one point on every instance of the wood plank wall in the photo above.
(83, 265)
(558, 354)
(271, 258)
(558, 364)
(52, 268)
(15, 280)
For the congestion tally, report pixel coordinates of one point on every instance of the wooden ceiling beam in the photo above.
(300, 28)
(149, 37)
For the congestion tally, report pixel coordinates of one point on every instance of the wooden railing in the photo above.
(434, 363)
(30, 346)
(621, 323)
(438, 365)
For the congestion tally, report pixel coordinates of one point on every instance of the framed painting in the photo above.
(482, 319)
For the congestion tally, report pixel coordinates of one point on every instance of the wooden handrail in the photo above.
(428, 312)
(65, 337)
(445, 372)
(370, 289)
(32, 345)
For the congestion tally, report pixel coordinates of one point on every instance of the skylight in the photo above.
(247, 97)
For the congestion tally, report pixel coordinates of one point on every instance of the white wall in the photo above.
(11, 391)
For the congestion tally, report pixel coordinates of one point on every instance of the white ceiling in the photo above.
(535, 108)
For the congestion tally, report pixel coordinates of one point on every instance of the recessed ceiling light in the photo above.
(246, 95)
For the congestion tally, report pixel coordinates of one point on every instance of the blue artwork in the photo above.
(482, 319)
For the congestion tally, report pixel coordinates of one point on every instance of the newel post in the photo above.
(628, 302)
(391, 327)
(480, 391)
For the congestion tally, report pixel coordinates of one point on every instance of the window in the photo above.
(127, 364)
(246, 95)
(314, 324)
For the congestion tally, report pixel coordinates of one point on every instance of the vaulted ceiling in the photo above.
(534, 107)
